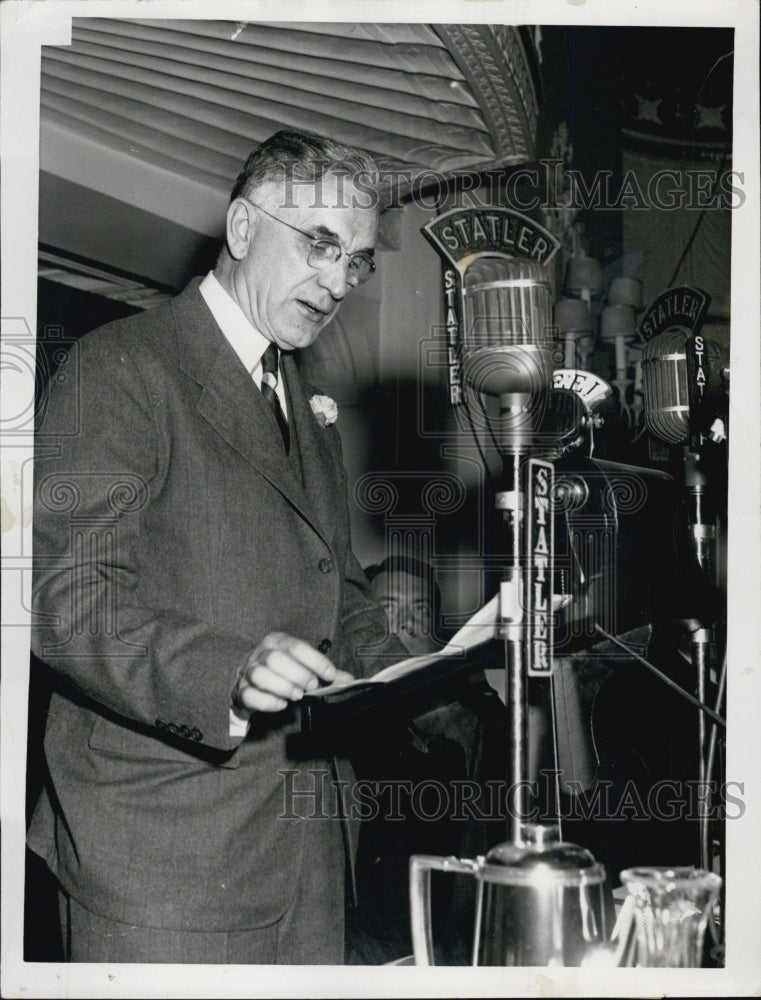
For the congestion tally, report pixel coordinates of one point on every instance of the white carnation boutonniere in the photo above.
(325, 410)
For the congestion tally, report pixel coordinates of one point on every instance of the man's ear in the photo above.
(239, 229)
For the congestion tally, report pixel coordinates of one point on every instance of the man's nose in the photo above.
(405, 623)
(395, 621)
(335, 278)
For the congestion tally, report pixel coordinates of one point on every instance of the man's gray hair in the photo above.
(304, 157)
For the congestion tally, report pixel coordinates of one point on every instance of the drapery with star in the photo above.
(680, 185)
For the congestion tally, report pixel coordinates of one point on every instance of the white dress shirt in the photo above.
(249, 345)
(239, 332)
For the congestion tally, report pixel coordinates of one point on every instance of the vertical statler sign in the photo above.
(452, 312)
(540, 540)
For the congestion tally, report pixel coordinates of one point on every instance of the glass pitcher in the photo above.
(670, 911)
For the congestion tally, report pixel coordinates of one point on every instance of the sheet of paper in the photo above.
(479, 628)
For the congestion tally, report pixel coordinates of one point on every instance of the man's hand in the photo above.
(282, 669)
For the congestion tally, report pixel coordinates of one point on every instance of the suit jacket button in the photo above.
(326, 565)
(172, 728)
(184, 731)
(324, 646)
(160, 724)
(196, 734)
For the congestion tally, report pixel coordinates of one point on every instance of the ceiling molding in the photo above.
(493, 61)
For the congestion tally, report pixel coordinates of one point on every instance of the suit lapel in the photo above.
(230, 402)
(318, 463)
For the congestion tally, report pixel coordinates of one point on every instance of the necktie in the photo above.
(269, 384)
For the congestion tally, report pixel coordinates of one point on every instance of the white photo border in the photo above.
(26, 25)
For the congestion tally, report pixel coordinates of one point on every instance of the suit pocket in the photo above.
(126, 741)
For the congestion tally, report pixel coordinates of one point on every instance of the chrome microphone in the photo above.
(664, 384)
(682, 377)
(507, 343)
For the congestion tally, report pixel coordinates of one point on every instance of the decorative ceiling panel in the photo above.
(198, 95)
(161, 114)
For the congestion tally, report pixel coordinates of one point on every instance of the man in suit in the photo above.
(193, 572)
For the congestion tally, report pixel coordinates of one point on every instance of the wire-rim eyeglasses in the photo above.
(325, 252)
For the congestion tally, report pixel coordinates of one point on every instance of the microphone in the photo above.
(682, 381)
(664, 384)
(506, 342)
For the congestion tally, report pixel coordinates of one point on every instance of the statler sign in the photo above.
(463, 234)
(539, 561)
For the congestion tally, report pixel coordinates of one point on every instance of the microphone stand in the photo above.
(703, 530)
(511, 500)
(519, 377)
(519, 415)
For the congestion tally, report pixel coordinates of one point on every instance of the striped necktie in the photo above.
(269, 385)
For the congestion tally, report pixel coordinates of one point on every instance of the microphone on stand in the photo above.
(500, 346)
(507, 353)
(684, 381)
(683, 403)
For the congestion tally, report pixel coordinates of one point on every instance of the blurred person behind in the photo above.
(453, 732)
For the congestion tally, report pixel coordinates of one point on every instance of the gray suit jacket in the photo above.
(171, 534)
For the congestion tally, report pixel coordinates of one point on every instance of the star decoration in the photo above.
(647, 111)
(710, 117)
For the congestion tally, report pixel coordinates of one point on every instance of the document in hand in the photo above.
(332, 711)
(480, 628)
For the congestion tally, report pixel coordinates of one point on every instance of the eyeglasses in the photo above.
(324, 253)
